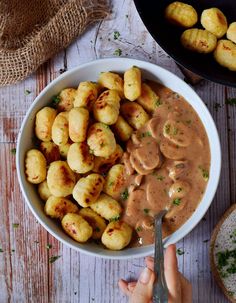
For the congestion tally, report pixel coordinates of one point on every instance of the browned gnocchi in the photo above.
(35, 166)
(117, 235)
(181, 14)
(88, 189)
(43, 123)
(112, 81)
(225, 54)
(101, 140)
(86, 94)
(213, 20)
(97, 222)
(106, 107)
(57, 207)
(134, 114)
(122, 129)
(199, 40)
(66, 99)
(79, 158)
(78, 123)
(60, 129)
(132, 83)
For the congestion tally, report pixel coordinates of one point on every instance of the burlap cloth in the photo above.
(32, 31)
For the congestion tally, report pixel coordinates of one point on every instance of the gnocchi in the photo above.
(66, 99)
(50, 151)
(101, 165)
(60, 129)
(214, 21)
(181, 14)
(88, 189)
(148, 98)
(78, 123)
(60, 179)
(199, 40)
(35, 166)
(122, 129)
(117, 235)
(63, 149)
(115, 181)
(86, 94)
(132, 83)
(77, 227)
(57, 208)
(44, 191)
(43, 123)
(134, 114)
(112, 81)
(231, 32)
(106, 107)
(101, 140)
(107, 207)
(79, 158)
(95, 221)
(225, 54)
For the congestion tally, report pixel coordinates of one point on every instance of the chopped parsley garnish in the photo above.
(13, 151)
(117, 52)
(52, 259)
(179, 189)
(55, 100)
(115, 218)
(116, 35)
(177, 201)
(158, 103)
(97, 229)
(91, 151)
(189, 121)
(49, 246)
(160, 178)
(139, 228)
(231, 101)
(226, 261)
(27, 92)
(146, 134)
(111, 183)
(205, 173)
(146, 210)
(15, 225)
(125, 194)
(175, 131)
(167, 128)
(180, 252)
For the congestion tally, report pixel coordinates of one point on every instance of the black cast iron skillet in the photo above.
(168, 37)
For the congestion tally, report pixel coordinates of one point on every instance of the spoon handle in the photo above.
(160, 290)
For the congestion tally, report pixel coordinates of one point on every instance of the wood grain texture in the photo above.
(26, 274)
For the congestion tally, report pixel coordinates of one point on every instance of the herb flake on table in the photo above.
(217, 106)
(1, 250)
(27, 92)
(52, 259)
(116, 35)
(125, 194)
(180, 252)
(15, 225)
(231, 101)
(49, 246)
(13, 151)
(177, 201)
(117, 52)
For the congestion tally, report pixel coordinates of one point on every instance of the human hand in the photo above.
(180, 289)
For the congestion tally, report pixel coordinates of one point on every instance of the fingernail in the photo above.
(145, 276)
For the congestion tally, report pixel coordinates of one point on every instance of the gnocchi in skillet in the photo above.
(111, 154)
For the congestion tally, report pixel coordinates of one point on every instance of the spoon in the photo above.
(160, 290)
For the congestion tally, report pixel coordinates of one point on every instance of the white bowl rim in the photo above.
(186, 228)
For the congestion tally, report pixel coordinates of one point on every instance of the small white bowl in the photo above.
(90, 71)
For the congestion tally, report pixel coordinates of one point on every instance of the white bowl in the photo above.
(90, 71)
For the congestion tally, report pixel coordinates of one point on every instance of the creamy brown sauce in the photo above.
(167, 163)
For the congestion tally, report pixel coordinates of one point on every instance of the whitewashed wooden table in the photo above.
(25, 272)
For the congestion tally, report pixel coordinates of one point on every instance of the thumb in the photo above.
(143, 290)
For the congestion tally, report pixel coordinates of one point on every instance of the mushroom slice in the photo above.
(179, 189)
(153, 127)
(172, 151)
(148, 155)
(137, 165)
(178, 169)
(177, 132)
